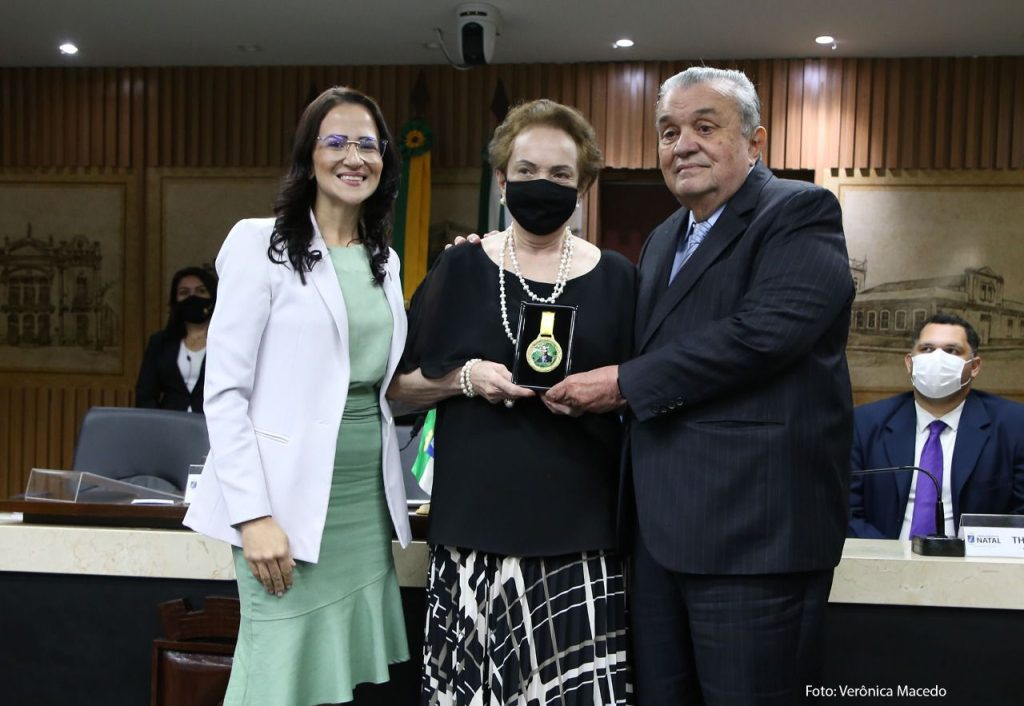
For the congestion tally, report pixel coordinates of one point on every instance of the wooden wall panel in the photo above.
(776, 125)
(925, 129)
(32, 99)
(847, 105)
(110, 113)
(909, 117)
(820, 113)
(892, 79)
(830, 131)
(1017, 114)
(958, 103)
(96, 107)
(972, 129)
(1004, 113)
(794, 77)
(989, 120)
(125, 118)
(811, 114)
(649, 141)
(7, 78)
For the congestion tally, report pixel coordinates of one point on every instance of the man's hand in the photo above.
(472, 239)
(557, 408)
(594, 391)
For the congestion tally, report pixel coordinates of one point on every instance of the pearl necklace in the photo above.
(564, 266)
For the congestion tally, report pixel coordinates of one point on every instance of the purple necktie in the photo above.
(923, 523)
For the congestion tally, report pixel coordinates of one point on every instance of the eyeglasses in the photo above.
(367, 147)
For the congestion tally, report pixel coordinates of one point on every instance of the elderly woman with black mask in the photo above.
(526, 596)
(173, 368)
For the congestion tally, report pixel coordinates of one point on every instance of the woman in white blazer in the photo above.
(303, 476)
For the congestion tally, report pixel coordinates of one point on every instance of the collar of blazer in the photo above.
(325, 280)
(971, 436)
(729, 226)
(901, 429)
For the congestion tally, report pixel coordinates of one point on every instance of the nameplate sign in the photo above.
(191, 486)
(993, 535)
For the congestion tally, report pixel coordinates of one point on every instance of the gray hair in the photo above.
(733, 84)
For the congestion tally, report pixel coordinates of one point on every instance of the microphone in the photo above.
(936, 544)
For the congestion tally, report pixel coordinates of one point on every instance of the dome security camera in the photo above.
(477, 27)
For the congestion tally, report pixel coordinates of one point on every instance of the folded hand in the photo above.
(265, 547)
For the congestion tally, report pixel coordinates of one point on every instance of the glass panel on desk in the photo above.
(49, 485)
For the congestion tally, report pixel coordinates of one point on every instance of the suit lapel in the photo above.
(971, 436)
(325, 280)
(656, 262)
(396, 300)
(899, 443)
(169, 361)
(730, 225)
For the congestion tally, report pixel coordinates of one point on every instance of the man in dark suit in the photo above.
(739, 410)
(980, 441)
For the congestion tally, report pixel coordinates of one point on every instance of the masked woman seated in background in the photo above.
(526, 598)
(173, 368)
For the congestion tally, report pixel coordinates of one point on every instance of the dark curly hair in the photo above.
(175, 325)
(293, 231)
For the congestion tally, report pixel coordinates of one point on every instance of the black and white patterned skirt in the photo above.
(513, 631)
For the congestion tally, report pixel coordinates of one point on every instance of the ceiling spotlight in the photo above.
(68, 48)
(623, 43)
(825, 39)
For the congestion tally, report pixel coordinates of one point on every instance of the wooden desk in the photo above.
(84, 598)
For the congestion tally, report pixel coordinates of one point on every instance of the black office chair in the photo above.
(148, 447)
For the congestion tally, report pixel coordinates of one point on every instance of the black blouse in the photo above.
(520, 481)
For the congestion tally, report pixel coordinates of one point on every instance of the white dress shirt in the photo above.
(189, 364)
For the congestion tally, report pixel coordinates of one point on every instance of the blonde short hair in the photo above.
(549, 114)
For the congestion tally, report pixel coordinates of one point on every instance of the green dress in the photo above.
(341, 623)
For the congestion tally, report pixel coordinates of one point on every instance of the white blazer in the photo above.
(277, 377)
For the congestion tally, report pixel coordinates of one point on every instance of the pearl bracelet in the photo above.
(466, 378)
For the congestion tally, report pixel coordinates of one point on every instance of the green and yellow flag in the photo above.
(412, 210)
(423, 466)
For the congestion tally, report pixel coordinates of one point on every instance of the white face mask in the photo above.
(936, 375)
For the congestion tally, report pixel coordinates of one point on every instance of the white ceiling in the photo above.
(351, 32)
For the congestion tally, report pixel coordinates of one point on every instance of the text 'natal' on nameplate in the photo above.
(543, 345)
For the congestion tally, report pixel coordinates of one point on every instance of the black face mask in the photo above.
(195, 310)
(540, 206)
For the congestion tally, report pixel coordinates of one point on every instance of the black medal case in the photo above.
(530, 314)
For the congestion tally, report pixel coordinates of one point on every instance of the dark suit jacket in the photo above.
(741, 409)
(160, 384)
(986, 474)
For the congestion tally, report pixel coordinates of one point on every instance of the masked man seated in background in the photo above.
(973, 442)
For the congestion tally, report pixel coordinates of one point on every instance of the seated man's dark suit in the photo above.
(987, 468)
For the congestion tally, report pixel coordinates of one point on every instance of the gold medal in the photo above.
(544, 353)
